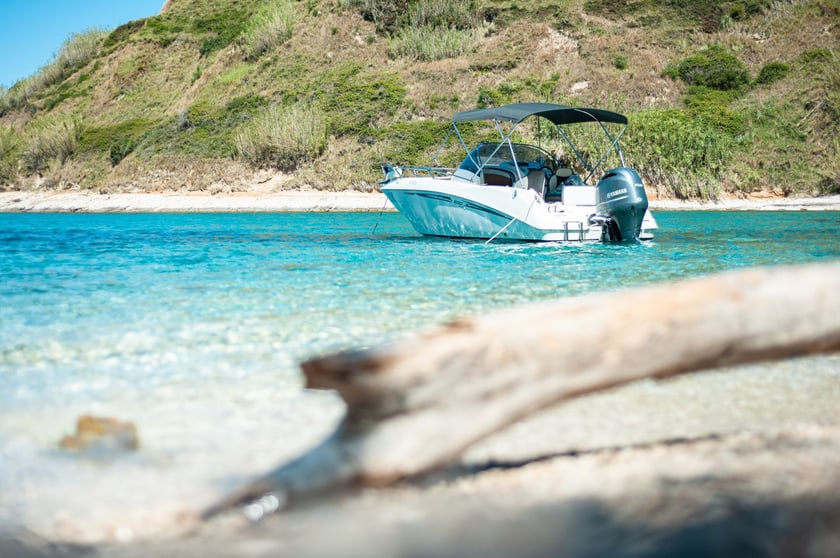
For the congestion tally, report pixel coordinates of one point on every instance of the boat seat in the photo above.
(494, 176)
(536, 182)
(554, 192)
(563, 173)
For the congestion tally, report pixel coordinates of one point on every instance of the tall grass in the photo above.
(283, 137)
(454, 14)
(9, 146)
(50, 141)
(392, 16)
(269, 28)
(76, 52)
(436, 29)
(426, 43)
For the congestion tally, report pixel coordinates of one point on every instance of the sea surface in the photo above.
(192, 326)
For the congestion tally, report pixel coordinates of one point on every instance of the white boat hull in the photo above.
(451, 207)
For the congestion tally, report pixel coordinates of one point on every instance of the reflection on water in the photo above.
(191, 326)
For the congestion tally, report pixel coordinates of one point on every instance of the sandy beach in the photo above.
(76, 201)
(734, 473)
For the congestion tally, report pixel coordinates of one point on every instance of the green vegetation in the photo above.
(772, 72)
(283, 137)
(122, 33)
(9, 145)
(118, 140)
(355, 100)
(685, 154)
(392, 16)
(333, 88)
(714, 67)
(51, 142)
(620, 62)
(432, 43)
(75, 53)
(270, 27)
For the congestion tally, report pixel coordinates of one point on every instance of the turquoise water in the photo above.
(192, 325)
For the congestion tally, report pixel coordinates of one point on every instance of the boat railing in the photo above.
(434, 172)
(394, 172)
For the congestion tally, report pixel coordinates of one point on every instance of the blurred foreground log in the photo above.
(417, 404)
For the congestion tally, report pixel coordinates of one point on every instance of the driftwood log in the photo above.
(417, 404)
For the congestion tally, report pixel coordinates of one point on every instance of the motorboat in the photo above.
(517, 189)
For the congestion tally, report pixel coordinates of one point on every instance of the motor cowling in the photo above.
(621, 204)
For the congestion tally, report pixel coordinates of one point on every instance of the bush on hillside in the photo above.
(714, 67)
(282, 137)
(713, 106)
(772, 72)
(685, 154)
(123, 33)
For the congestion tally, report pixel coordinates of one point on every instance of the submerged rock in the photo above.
(101, 434)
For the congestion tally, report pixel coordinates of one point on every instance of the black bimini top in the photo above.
(558, 114)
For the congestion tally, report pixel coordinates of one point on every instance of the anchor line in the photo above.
(379, 216)
(503, 229)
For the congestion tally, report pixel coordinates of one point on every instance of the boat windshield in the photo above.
(491, 154)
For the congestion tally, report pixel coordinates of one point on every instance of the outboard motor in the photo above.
(621, 203)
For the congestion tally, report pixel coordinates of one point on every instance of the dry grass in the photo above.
(269, 28)
(76, 52)
(9, 145)
(283, 137)
(428, 43)
(50, 142)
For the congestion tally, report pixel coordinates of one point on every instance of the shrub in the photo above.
(713, 105)
(684, 153)
(120, 149)
(620, 62)
(491, 98)
(714, 67)
(283, 137)
(269, 28)
(772, 72)
(123, 32)
(816, 55)
(50, 141)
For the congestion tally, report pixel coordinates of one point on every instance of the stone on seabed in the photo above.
(101, 434)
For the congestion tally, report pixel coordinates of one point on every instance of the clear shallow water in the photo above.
(192, 325)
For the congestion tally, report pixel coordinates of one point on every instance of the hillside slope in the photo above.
(723, 97)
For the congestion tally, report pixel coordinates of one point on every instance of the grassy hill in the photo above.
(219, 95)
